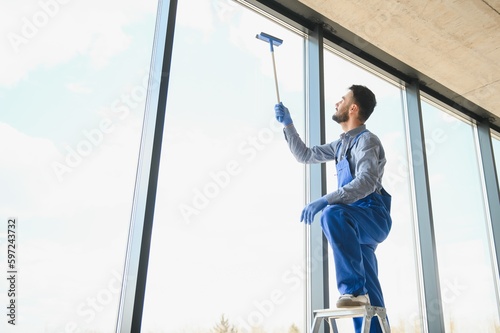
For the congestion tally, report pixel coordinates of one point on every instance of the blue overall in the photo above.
(354, 231)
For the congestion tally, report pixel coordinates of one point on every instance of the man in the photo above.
(356, 216)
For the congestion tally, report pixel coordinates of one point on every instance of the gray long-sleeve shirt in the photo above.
(366, 161)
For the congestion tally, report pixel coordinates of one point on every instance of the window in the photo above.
(396, 255)
(227, 247)
(496, 151)
(72, 95)
(458, 208)
(228, 250)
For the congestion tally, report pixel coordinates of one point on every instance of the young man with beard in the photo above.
(356, 216)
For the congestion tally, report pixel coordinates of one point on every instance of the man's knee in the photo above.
(332, 217)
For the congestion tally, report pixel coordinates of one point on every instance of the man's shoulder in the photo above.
(368, 137)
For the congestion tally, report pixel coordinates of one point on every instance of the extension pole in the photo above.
(275, 78)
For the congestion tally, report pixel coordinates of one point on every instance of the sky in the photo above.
(70, 143)
(227, 238)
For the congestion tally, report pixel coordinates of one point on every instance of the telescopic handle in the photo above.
(276, 82)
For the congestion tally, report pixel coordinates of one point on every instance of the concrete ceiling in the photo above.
(450, 43)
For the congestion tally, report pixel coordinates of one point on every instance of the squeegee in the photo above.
(273, 41)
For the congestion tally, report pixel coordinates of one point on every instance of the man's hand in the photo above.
(310, 210)
(282, 114)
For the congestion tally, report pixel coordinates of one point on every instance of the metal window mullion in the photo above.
(492, 197)
(317, 249)
(433, 311)
(141, 223)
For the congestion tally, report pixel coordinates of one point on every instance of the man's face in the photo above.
(342, 108)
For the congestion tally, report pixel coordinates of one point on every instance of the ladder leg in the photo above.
(367, 322)
(316, 324)
(384, 324)
(333, 325)
(382, 318)
(367, 319)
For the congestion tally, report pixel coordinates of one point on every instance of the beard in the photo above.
(341, 116)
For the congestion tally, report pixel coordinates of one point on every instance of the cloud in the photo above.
(198, 15)
(288, 56)
(59, 221)
(51, 32)
(78, 88)
(31, 185)
(21, 169)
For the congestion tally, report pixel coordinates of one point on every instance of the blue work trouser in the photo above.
(354, 231)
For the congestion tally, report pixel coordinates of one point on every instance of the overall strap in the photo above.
(353, 142)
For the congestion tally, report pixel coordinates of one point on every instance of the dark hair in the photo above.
(365, 99)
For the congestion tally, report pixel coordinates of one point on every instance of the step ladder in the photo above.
(366, 311)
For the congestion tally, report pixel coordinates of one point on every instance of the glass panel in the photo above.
(458, 208)
(396, 255)
(495, 141)
(72, 95)
(228, 249)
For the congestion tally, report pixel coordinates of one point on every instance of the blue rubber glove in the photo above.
(312, 209)
(282, 114)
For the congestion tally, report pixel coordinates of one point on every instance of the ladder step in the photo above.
(366, 311)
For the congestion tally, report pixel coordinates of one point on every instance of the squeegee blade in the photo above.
(270, 39)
